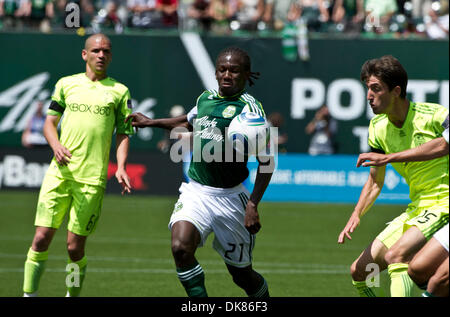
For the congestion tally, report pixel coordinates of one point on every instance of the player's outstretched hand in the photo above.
(251, 220)
(62, 155)
(352, 223)
(138, 120)
(371, 159)
(124, 181)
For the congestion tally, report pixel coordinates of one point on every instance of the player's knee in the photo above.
(439, 280)
(356, 272)
(181, 251)
(75, 252)
(41, 242)
(242, 279)
(415, 273)
(246, 278)
(394, 256)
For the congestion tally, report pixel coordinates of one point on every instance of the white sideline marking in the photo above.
(261, 267)
(148, 241)
(151, 241)
(172, 271)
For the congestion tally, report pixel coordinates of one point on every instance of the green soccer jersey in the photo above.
(428, 180)
(211, 115)
(92, 110)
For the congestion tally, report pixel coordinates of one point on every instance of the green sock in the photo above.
(401, 283)
(76, 272)
(193, 280)
(363, 289)
(34, 268)
(262, 291)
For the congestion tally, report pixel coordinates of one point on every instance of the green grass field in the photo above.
(129, 254)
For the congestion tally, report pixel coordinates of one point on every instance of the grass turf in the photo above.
(129, 254)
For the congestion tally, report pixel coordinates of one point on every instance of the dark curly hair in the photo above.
(233, 50)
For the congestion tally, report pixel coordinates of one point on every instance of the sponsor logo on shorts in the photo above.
(178, 207)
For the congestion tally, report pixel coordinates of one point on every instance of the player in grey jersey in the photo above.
(215, 200)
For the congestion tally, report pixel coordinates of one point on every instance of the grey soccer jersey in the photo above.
(210, 117)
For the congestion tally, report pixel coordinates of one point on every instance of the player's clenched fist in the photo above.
(251, 220)
(138, 120)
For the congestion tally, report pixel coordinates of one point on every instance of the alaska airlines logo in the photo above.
(20, 98)
(98, 110)
(206, 129)
(204, 122)
(18, 104)
(210, 134)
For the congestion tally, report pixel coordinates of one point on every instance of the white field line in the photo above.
(166, 242)
(167, 271)
(148, 241)
(262, 267)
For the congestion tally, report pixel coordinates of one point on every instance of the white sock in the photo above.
(35, 294)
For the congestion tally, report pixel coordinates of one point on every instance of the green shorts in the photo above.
(83, 201)
(427, 219)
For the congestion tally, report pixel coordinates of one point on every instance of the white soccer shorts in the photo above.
(442, 236)
(218, 210)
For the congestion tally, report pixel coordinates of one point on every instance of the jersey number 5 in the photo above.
(426, 216)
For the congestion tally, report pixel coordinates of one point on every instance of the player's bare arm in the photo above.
(140, 120)
(123, 144)
(251, 221)
(372, 159)
(62, 154)
(427, 151)
(369, 194)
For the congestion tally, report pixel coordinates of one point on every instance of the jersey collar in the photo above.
(408, 116)
(231, 97)
(92, 81)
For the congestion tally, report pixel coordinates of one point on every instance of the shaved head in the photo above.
(96, 38)
(97, 54)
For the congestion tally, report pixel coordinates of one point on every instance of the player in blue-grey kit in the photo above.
(215, 200)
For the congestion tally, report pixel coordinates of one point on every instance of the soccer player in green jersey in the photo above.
(432, 149)
(215, 200)
(400, 125)
(429, 267)
(94, 105)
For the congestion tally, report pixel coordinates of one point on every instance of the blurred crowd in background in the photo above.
(395, 18)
